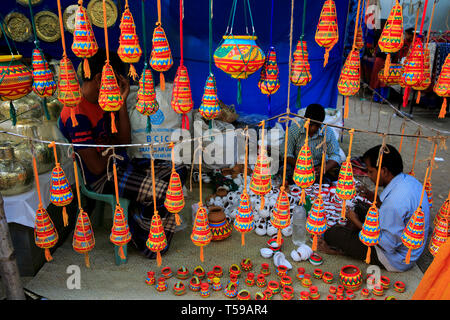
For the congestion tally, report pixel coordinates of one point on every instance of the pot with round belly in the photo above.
(218, 223)
(15, 176)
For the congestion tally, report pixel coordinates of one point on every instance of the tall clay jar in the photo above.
(15, 176)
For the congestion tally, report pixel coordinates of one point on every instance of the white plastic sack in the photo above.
(164, 122)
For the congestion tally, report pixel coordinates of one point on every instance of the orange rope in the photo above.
(356, 24)
(200, 176)
(380, 162)
(61, 27)
(322, 167)
(431, 22)
(172, 146)
(285, 154)
(53, 145)
(36, 177)
(246, 160)
(77, 183)
(307, 131)
(159, 12)
(401, 139)
(116, 184)
(153, 184)
(415, 154)
(351, 132)
(105, 27)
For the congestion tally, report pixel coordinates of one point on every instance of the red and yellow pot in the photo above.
(350, 277)
(15, 78)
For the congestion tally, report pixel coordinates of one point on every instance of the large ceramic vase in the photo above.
(350, 277)
(239, 56)
(15, 176)
(16, 79)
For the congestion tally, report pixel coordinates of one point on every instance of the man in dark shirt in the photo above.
(134, 176)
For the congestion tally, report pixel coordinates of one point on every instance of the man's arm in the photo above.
(334, 158)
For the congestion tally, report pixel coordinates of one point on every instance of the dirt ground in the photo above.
(372, 116)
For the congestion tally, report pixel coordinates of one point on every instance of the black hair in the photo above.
(409, 31)
(97, 61)
(392, 160)
(315, 112)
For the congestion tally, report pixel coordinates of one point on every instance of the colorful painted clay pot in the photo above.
(304, 295)
(150, 280)
(239, 56)
(246, 264)
(231, 290)
(317, 274)
(167, 272)
(16, 78)
(199, 272)
(306, 281)
(300, 68)
(182, 273)
(194, 284)
(179, 288)
(210, 106)
(378, 290)
(385, 282)
(265, 269)
(327, 277)
(218, 271)
(261, 281)
(204, 290)
(161, 285)
(218, 224)
(243, 295)
(45, 234)
(399, 286)
(44, 85)
(314, 293)
(250, 280)
(269, 81)
(273, 286)
(216, 285)
(350, 277)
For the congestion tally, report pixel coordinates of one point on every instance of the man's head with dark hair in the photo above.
(392, 164)
(91, 86)
(314, 112)
(97, 61)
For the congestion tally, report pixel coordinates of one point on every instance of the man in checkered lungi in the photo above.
(134, 176)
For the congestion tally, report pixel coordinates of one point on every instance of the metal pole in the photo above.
(9, 271)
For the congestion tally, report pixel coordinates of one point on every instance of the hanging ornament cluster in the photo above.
(60, 191)
(327, 33)
(300, 68)
(442, 85)
(443, 213)
(269, 80)
(146, 103)
(210, 106)
(345, 189)
(304, 176)
(261, 181)
(84, 44)
(129, 49)
(391, 39)
(161, 57)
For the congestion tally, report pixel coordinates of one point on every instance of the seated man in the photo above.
(134, 176)
(296, 140)
(398, 201)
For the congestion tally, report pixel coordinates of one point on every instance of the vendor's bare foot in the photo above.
(322, 246)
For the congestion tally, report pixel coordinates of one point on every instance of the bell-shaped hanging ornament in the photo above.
(316, 223)
(174, 201)
(210, 106)
(261, 181)
(391, 39)
(413, 70)
(439, 236)
(345, 189)
(442, 85)
(44, 85)
(269, 80)
(157, 240)
(300, 68)
(146, 97)
(109, 97)
(349, 80)
(414, 233)
(443, 213)
(327, 33)
(129, 49)
(60, 191)
(45, 234)
(68, 91)
(201, 233)
(120, 231)
(84, 43)
(161, 57)
(243, 222)
(370, 232)
(182, 96)
(281, 215)
(83, 236)
(304, 176)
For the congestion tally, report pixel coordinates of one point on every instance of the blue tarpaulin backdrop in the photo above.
(322, 88)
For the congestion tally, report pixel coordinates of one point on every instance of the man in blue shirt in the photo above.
(396, 204)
